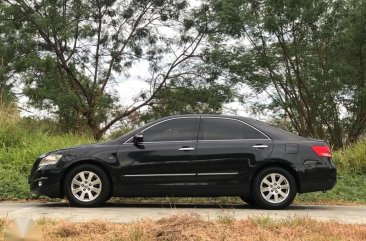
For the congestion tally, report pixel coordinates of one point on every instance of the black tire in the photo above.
(105, 187)
(249, 200)
(268, 204)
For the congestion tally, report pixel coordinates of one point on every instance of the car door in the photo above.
(226, 152)
(162, 163)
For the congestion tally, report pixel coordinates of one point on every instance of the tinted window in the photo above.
(182, 129)
(251, 133)
(226, 129)
(221, 129)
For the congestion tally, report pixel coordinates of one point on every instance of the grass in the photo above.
(352, 158)
(350, 188)
(194, 227)
(22, 140)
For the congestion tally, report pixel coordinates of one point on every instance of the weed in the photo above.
(136, 234)
(226, 217)
(262, 221)
(21, 141)
(352, 158)
(193, 227)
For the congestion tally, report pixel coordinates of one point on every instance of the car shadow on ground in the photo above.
(180, 206)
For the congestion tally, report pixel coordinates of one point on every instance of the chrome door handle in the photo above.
(186, 149)
(260, 146)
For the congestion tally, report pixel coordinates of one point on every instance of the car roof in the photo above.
(270, 130)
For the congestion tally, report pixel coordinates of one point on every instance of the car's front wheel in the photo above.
(87, 185)
(274, 188)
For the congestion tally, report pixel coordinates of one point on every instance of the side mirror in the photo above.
(138, 138)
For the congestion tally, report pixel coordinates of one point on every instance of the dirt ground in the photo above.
(194, 227)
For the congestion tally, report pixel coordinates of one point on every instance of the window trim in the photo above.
(129, 140)
(228, 118)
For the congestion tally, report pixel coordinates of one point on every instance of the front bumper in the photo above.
(320, 177)
(46, 181)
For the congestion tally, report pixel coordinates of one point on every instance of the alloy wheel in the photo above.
(86, 186)
(275, 188)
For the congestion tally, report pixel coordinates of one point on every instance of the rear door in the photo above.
(226, 152)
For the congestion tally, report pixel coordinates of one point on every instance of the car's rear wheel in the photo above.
(87, 185)
(274, 188)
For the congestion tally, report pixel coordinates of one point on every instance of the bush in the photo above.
(352, 158)
(21, 141)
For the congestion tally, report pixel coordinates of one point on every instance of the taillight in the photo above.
(322, 151)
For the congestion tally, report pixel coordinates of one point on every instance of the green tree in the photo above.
(5, 75)
(306, 55)
(12, 50)
(83, 46)
(186, 99)
(349, 60)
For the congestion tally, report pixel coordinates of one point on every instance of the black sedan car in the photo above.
(190, 155)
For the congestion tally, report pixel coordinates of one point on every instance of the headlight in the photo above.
(50, 159)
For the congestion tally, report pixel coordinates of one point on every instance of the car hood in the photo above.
(82, 149)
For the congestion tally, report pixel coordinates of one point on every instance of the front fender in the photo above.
(111, 167)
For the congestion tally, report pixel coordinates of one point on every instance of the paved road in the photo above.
(132, 212)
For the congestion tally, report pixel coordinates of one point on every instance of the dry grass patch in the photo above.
(3, 224)
(194, 227)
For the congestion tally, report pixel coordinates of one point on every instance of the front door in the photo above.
(162, 164)
(227, 150)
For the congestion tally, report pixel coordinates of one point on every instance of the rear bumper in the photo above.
(312, 178)
(46, 181)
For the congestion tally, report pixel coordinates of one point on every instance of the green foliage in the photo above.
(352, 158)
(21, 141)
(349, 188)
(307, 56)
(188, 98)
(80, 48)
(13, 46)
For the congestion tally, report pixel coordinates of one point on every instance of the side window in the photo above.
(251, 133)
(221, 129)
(226, 129)
(181, 129)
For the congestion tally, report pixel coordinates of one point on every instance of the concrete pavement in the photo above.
(132, 212)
